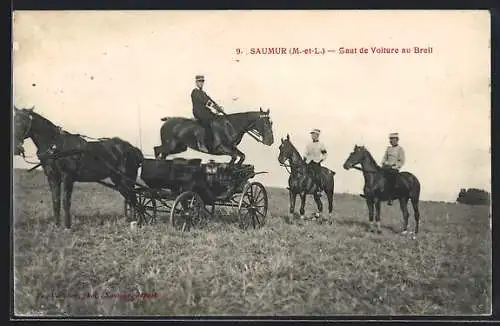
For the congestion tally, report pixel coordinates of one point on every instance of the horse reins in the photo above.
(362, 170)
(252, 133)
(286, 166)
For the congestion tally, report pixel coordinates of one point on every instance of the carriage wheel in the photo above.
(146, 201)
(252, 208)
(187, 211)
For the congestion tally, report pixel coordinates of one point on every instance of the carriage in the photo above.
(183, 188)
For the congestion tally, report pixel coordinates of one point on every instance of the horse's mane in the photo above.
(44, 120)
(370, 156)
(295, 150)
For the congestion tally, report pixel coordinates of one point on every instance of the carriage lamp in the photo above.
(211, 170)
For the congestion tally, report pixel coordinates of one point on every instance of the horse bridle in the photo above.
(361, 169)
(254, 133)
(25, 135)
(49, 150)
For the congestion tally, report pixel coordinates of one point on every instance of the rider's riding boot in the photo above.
(389, 202)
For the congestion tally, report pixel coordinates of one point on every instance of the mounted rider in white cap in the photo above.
(202, 109)
(392, 162)
(315, 153)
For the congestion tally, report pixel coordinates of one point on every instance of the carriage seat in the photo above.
(185, 169)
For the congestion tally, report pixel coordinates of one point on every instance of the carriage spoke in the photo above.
(261, 214)
(258, 193)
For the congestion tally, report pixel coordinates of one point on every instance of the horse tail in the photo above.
(415, 197)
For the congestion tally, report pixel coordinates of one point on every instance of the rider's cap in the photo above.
(200, 78)
(393, 135)
(315, 131)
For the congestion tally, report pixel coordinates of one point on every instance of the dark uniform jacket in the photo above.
(200, 100)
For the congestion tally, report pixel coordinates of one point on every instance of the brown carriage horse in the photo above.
(68, 158)
(177, 134)
(407, 187)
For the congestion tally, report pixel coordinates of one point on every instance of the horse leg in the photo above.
(55, 189)
(369, 203)
(241, 156)
(171, 147)
(416, 211)
(157, 151)
(403, 203)
(67, 186)
(319, 205)
(302, 204)
(377, 215)
(293, 200)
(329, 196)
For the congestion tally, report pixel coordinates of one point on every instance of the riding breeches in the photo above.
(316, 169)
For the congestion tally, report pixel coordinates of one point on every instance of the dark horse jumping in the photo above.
(406, 187)
(300, 182)
(68, 158)
(177, 134)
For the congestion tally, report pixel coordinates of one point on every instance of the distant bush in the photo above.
(473, 196)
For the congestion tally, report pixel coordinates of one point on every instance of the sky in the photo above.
(112, 73)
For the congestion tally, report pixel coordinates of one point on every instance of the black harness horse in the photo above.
(177, 134)
(68, 158)
(407, 187)
(300, 181)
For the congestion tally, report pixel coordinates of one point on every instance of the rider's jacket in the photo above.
(201, 102)
(315, 151)
(394, 157)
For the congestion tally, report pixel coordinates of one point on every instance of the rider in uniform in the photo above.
(202, 110)
(315, 154)
(393, 160)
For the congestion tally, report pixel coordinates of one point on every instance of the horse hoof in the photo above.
(302, 217)
(414, 237)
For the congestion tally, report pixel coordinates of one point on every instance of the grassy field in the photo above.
(282, 269)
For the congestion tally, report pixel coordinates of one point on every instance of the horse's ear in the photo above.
(260, 109)
(267, 112)
(287, 137)
(282, 140)
(31, 109)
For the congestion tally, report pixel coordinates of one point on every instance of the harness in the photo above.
(50, 152)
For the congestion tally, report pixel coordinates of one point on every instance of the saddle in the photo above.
(397, 181)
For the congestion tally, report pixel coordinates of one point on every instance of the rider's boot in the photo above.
(390, 192)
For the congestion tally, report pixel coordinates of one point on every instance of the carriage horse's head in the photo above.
(264, 126)
(356, 157)
(22, 128)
